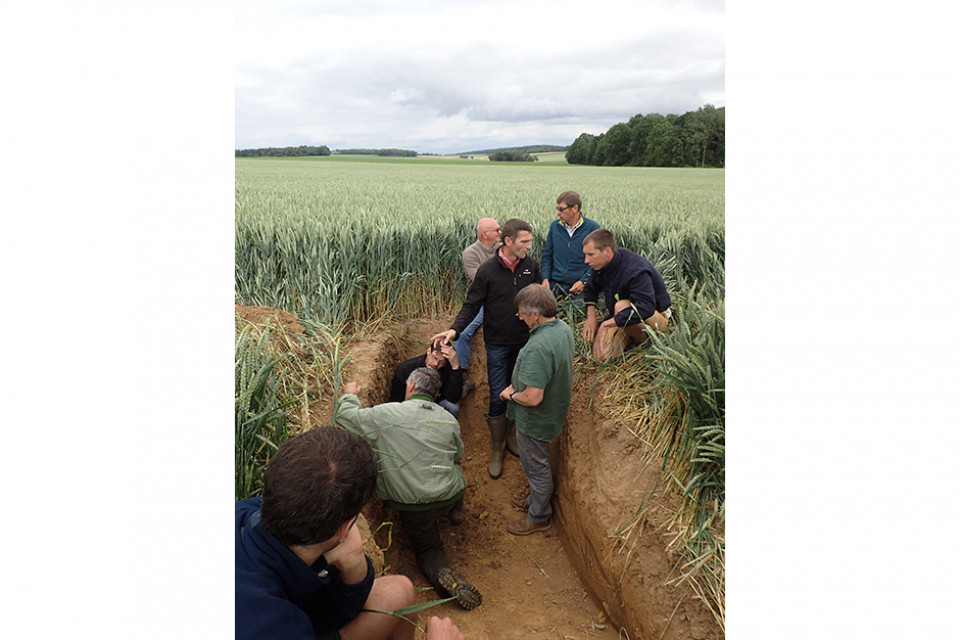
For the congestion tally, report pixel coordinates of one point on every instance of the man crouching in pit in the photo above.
(419, 449)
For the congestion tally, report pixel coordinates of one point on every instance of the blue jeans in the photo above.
(462, 345)
(452, 407)
(500, 361)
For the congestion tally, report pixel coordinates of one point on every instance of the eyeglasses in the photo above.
(569, 206)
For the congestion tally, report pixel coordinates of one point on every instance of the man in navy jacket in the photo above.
(633, 290)
(300, 568)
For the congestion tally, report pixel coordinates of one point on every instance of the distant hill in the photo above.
(534, 148)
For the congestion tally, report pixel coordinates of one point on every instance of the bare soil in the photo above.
(576, 580)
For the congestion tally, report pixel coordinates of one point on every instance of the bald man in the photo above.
(488, 240)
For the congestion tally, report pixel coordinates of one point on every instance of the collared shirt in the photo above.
(507, 263)
(571, 230)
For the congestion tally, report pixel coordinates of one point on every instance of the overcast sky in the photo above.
(444, 76)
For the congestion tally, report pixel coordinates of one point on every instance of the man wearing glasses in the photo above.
(562, 266)
(488, 241)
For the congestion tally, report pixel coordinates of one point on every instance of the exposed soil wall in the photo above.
(575, 580)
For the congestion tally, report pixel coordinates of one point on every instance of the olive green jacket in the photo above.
(418, 448)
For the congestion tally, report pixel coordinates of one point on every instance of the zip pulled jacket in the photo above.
(562, 258)
(494, 289)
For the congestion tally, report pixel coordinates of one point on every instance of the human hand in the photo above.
(348, 557)
(442, 629)
(450, 353)
(352, 387)
(589, 329)
(546, 283)
(576, 287)
(505, 394)
(446, 336)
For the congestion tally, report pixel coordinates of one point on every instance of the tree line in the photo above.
(302, 150)
(512, 156)
(406, 153)
(694, 139)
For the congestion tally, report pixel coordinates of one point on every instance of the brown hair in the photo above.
(601, 239)
(570, 198)
(316, 482)
(512, 227)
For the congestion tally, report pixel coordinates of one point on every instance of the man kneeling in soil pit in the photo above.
(419, 449)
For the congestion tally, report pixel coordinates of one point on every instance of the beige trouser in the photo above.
(617, 338)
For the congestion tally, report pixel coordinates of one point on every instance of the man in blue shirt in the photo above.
(561, 265)
(300, 568)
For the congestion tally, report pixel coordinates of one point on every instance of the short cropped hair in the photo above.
(316, 482)
(601, 239)
(536, 298)
(425, 380)
(570, 198)
(512, 227)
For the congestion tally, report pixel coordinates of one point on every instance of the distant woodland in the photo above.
(695, 139)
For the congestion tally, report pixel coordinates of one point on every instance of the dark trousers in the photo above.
(423, 531)
(500, 361)
(561, 291)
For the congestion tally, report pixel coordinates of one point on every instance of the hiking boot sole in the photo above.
(466, 594)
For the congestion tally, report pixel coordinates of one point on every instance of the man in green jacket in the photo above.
(538, 400)
(418, 448)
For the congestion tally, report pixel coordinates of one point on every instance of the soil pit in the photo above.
(575, 581)
(572, 581)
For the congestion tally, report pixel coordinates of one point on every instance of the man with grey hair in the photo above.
(418, 449)
(538, 399)
(488, 241)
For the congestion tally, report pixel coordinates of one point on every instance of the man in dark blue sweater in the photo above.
(300, 568)
(633, 290)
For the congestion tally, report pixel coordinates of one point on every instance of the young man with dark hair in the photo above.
(497, 283)
(419, 449)
(633, 290)
(562, 266)
(300, 568)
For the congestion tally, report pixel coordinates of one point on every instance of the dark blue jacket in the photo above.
(562, 258)
(628, 276)
(277, 595)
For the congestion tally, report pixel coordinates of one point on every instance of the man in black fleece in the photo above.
(497, 282)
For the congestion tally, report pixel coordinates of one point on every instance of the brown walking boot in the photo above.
(525, 526)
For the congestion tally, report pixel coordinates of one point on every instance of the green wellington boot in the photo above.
(498, 442)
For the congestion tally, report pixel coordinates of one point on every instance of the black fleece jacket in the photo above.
(494, 289)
